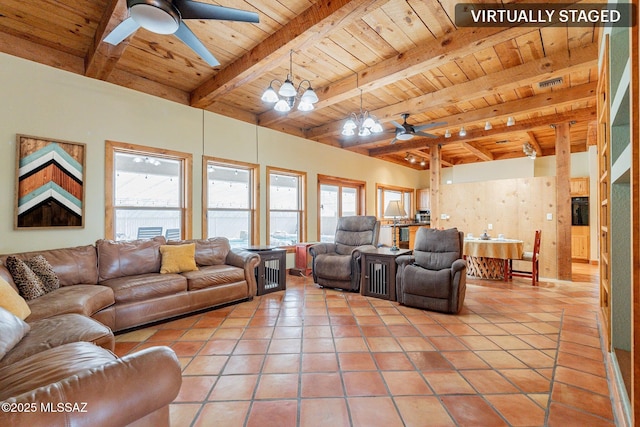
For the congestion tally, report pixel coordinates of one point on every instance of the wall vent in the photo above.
(550, 82)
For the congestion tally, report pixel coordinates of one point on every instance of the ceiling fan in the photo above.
(166, 17)
(405, 131)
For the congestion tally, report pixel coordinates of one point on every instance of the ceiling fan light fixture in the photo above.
(155, 16)
(404, 136)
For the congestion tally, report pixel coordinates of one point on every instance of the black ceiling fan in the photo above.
(166, 17)
(405, 131)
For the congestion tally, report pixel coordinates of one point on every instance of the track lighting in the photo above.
(462, 132)
(511, 121)
(487, 126)
(447, 133)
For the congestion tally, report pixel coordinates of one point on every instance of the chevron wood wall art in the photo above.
(50, 177)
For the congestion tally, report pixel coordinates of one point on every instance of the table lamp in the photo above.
(394, 209)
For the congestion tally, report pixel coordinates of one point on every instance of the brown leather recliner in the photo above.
(337, 265)
(435, 276)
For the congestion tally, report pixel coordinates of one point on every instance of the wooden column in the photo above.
(435, 178)
(563, 200)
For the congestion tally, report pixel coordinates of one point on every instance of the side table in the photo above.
(303, 259)
(379, 272)
(271, 272)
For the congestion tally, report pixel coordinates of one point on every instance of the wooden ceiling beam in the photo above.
(102, 57)
(534, 142)
(135, 82)
(496, 132)
(562, 63)
(35, 52)
(477, 151)
(532, 104)
(453, 46)
(310, 26)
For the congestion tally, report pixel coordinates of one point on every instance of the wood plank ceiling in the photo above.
(403, 56)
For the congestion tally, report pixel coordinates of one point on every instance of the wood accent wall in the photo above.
(515, 207)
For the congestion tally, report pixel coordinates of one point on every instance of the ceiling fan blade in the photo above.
(428, 125)
(398, 125)
(122, 31)
(428, 135)
(393, 141)
(196, 10)
(190, 39)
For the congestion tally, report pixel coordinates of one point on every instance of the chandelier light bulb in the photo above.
(377, 128)
(364, 132)
(282, 106)
(287, 89)
(309, 96)
(350, 124)
(270, 95)
(348, 132)
(305, 106)
(368, 123)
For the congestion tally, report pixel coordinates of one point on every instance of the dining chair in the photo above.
(533, 258)
(149, 232)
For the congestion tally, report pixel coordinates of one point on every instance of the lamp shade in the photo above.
(287, 89)
(270, 95)
(394, 209)
(282, 106)
(309, 96)
(305, 106)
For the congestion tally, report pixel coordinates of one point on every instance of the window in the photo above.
(147, 192)
(387, 193)
(231, 199)
(337, 197)
(285, 207)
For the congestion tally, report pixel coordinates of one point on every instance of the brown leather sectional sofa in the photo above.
(62, 357)
(120, 284)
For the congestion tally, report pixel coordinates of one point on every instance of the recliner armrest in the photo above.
(355, 252)
(404, 260)
(322, 248)
(458, 265)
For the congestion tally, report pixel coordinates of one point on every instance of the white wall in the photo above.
(45, 102)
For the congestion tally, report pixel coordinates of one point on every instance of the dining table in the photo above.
(489, 258)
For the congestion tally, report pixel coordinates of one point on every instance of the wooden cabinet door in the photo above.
(424, 199)
(579, 187)
(580, 243)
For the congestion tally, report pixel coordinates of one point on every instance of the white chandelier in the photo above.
(286, 96)
(365, 122)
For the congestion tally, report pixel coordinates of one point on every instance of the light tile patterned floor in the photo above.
(516, 355)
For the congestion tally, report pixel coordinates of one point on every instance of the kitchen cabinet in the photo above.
(579, 187)
(423, 199)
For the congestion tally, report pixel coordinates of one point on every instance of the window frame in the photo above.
(360, 186)
(302, 204)
(186, 167)
(381, 205)
(254, 170)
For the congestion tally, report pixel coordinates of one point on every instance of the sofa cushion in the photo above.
(211, 251)
(12, 329)
(59, 330)
(128, 258)
(213, 275)
(437, 249)
(333, 266)
(144, 287)
(41, 267)
(81, 299)
(50, 366)
(427, 283)
(28, 282)
(73, 266)
(11, 300)
(178, 258)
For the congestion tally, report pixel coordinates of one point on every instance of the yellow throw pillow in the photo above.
(11, 300)
(178, 258)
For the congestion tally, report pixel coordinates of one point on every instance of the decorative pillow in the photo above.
(12, 329)
(178, 258)
(12, 301)
(39, 265)
(29, 284)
